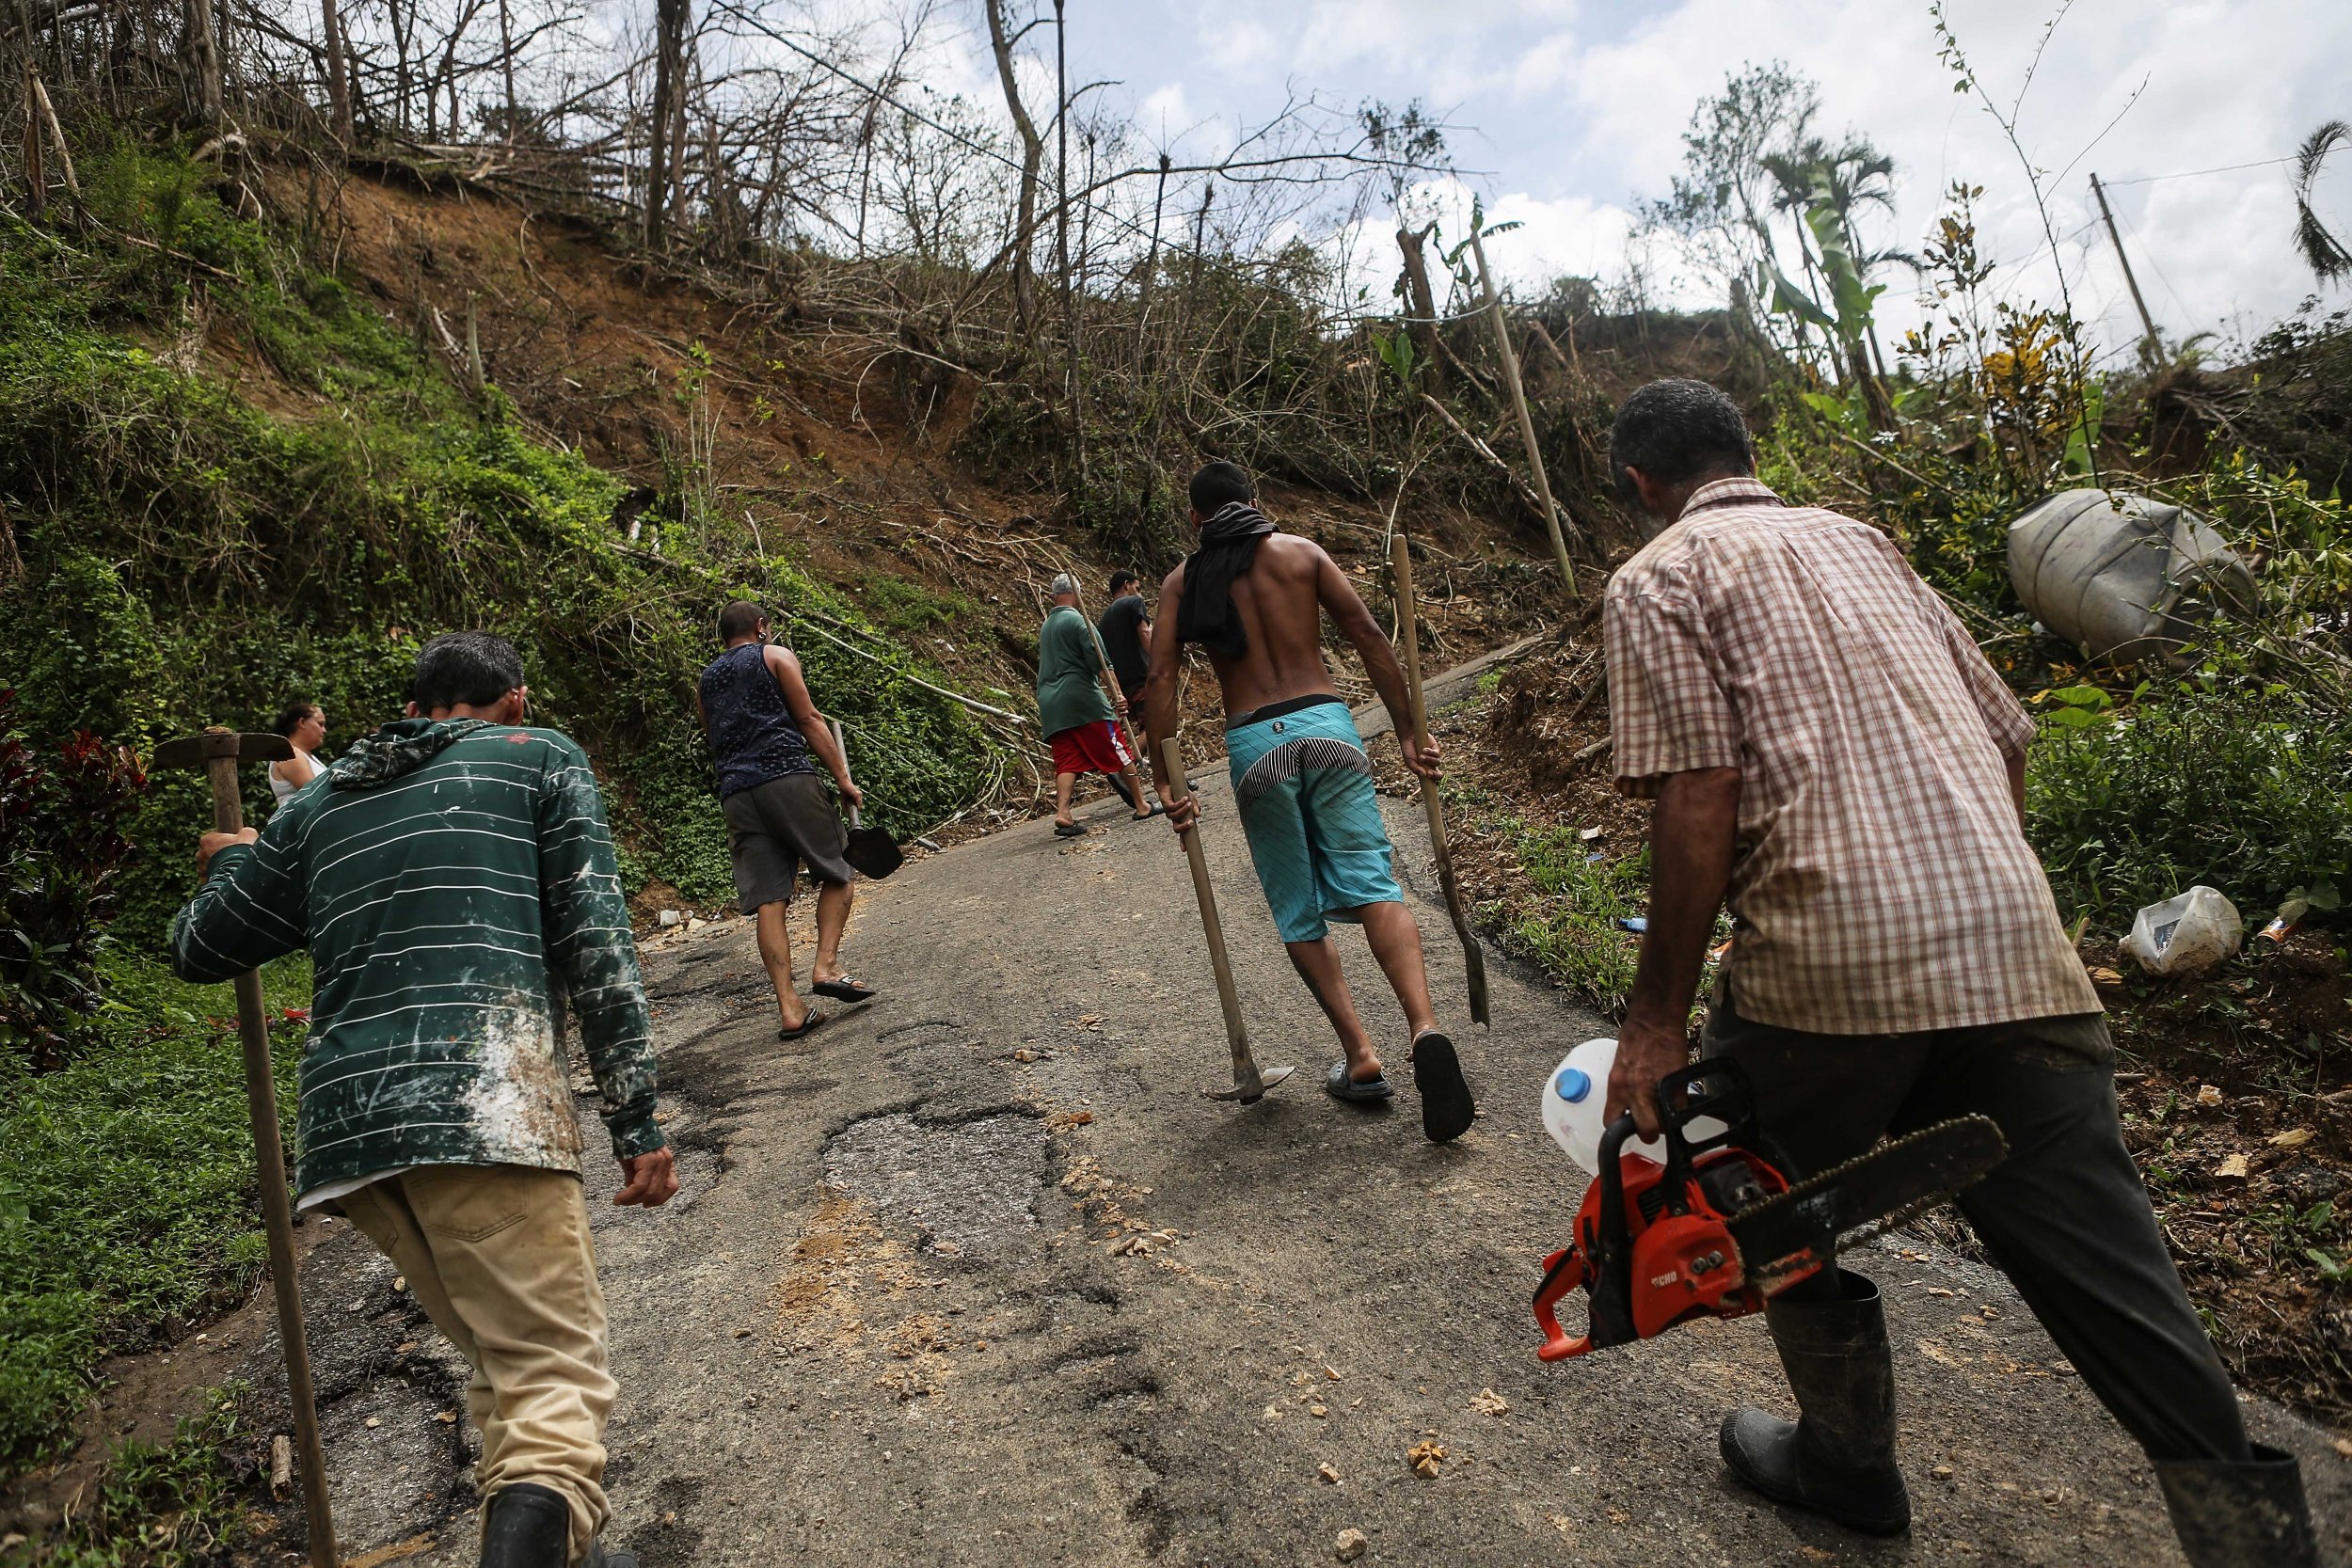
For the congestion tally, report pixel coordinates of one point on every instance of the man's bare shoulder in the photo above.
(1173, 582)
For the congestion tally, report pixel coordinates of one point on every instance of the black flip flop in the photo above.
(1338, 1086)
(1446, 1107)
(1069, 829)
(808, 1026)
(844, 989)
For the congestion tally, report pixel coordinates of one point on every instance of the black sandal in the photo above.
(1446, 1107)
(844, 989)
(808, 1026)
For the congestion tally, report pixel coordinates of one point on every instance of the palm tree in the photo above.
(2322, 251)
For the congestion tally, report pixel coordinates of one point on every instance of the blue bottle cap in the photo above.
(1572, 1085)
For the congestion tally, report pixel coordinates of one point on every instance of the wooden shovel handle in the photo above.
(1408, 618)
(1236, 1035)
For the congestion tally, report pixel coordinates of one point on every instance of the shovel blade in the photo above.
(1249, 1094)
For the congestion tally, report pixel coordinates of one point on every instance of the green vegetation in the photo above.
(169, 1506)
(188, 558)
(1571, 931)
(191, 558)
(127, 1199)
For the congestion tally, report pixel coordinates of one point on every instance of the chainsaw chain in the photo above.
(1812, 1184)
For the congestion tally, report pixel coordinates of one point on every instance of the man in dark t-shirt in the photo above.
(768, 741)
(1126, 629)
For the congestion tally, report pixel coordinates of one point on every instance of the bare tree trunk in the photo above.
(1000, 41)
(1150, 266)
(1424, 306)
(668, 83)
(506, 61)
(1073, 397)
(204, 59)
(35, 177)
(337, 84)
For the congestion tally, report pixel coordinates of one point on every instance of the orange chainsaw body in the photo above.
(1653, 1244)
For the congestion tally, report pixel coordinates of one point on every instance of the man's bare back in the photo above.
(1279, 602)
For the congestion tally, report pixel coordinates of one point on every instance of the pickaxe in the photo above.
(1408, 612)
(219, 752)
(1250, 1084)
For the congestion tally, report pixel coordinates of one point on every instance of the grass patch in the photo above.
(128, 1197)
(1569, 928)
(172, 1505)
(909, 608)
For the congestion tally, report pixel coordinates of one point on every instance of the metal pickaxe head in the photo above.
(220, 752)
(1249, 1085)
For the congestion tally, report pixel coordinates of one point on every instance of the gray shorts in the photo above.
(774, 828)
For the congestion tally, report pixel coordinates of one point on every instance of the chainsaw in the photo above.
(1718, 1228)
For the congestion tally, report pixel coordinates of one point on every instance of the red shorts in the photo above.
(1094, 747)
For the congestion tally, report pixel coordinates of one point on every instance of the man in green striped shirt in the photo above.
(446, 873)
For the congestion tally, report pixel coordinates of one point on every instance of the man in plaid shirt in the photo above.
(1833, 759)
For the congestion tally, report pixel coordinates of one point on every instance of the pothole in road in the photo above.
(970, 1185)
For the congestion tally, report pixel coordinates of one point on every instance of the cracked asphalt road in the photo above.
(977, 1275)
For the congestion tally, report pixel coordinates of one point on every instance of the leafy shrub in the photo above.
(61, 843)
(126, 1199)
(2247, 791)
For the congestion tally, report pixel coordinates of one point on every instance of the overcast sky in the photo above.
(1574, 109)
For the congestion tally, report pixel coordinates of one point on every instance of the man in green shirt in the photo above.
(1076, 708)
(454, 865)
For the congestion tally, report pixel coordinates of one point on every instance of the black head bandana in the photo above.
(1229, 544)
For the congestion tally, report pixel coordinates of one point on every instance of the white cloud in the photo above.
(1580, 110)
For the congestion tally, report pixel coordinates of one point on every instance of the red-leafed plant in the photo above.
(61, 844)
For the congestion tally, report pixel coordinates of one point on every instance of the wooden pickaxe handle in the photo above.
(1408, 614)
(269, 1155)
(1236, 1034)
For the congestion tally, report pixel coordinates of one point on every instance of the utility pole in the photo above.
(2155, 345)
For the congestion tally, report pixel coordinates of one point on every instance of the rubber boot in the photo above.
(2239, 1514)
(526, 1525)
(1840, 1458)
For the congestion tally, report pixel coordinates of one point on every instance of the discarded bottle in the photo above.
(2186, 935)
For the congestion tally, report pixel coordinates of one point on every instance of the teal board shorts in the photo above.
(1311, 814)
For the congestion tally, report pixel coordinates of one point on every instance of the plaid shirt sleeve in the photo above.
(1668, 712)
(2004, 716)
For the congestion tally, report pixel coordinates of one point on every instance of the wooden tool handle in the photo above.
(1236, 1035)
(1409, 620)
(843, 747)
(1408, 624)
(269, 1156)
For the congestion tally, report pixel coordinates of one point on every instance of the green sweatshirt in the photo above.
(438, 873)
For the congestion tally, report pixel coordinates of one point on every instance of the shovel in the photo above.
(1473, 958)
(870, 851)
(1250, 1084)
(220, 751)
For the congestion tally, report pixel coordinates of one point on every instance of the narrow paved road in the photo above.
(977, 1275)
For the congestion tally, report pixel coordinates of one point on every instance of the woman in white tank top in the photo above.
(305, 725)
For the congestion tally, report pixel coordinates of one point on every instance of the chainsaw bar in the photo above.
(1792, 1235)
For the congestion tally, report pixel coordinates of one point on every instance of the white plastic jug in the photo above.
(1572, 1096)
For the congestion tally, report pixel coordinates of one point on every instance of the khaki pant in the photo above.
(498, 1256)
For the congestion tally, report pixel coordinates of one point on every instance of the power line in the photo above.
(2191, 173)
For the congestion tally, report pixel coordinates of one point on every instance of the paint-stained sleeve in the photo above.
(589, 947)
(252, 908)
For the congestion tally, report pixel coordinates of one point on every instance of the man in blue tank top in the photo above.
(768, 740)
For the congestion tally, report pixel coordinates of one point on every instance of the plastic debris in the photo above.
(2186, 935)
(1633, 923)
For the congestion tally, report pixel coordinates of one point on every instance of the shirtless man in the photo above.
(1253, 598)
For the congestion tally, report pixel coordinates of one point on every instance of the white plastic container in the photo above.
(1572, 1096)
(2185, 935)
